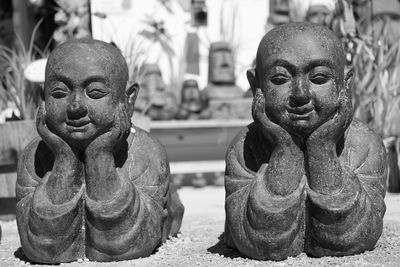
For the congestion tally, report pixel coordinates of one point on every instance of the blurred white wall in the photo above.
(244, 24)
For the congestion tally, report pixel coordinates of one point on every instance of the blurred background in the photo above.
(190, 58)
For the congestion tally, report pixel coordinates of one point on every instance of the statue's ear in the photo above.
(253, 81)
(349, 77)
(131, 94)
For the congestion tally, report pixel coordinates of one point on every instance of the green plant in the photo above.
(14, 88)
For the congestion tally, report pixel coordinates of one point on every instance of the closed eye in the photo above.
(96, 90)
(319, 78)
(59, 92)
(279, 79)
(96, 93)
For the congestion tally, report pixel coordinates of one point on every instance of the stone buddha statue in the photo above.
(92, 186)
(192, 104)
(221, 73)
(154, 99)
(304, 176)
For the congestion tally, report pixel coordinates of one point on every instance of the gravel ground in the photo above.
(198, 244)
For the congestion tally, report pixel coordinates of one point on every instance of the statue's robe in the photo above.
(140, 216)
(262, 225)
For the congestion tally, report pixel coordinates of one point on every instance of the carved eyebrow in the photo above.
(64, 79)
(283, 63)
(94, 78)
(322, 62)
(310, 65)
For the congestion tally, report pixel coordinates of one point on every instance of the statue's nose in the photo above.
(300, 94)
(76, 108)
(225, 61)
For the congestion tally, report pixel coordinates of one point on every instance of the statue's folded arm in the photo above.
(50, 232)
(350, 221)
(259, 222)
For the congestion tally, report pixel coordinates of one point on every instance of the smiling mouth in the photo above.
(77, 125)
(300, 113)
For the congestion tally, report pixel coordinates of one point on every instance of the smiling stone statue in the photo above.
(92, 186)
(304, 176)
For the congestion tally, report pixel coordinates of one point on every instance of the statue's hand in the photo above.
(272, 131)
(334, 128)
(113, 139)
(57, 145)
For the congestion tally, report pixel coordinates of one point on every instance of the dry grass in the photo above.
(377, 81)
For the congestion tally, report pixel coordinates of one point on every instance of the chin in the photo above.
(79, 139)
(299, 128)
(302, 130)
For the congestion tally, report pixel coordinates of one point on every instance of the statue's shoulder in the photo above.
(359, 132)
(37, 154)
(245, 138)
(148, 161)
(145, 145)
(32, 147)
(360, 136)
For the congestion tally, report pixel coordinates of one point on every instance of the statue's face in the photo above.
(154, 88)
(319, 14)
(301, 78)
(191, 98)
(279, 12)
(81, 97)
(222, 68)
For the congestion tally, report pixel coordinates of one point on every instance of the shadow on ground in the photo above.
(19, 254)
(221, 249)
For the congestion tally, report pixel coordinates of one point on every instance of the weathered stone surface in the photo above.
(192, 105)
(154, 99)
(92, 186)
(304, 176)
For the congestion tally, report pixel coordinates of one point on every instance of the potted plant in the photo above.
(20, 98)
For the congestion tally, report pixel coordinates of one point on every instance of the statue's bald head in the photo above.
(299, 40)
(89, 51)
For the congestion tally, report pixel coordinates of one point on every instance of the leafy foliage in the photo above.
(72, 18)
(14, 88)
(374, 44)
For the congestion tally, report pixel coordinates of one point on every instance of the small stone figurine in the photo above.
(92, 186)
(192, 105)
(221, 73)
(304, 176)
(320, 14)
(154, 99)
